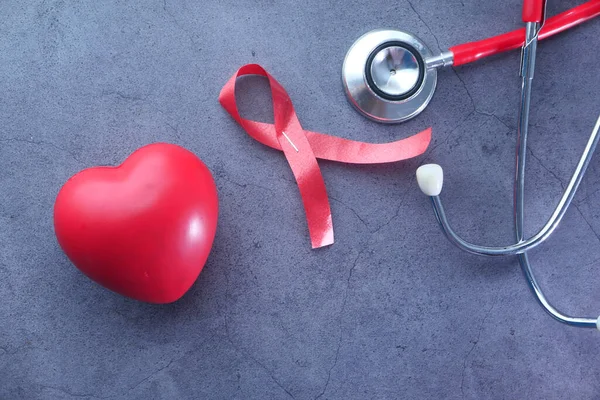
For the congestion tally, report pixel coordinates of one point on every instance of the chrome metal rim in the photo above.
(381, 98)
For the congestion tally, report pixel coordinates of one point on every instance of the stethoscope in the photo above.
(390, 76)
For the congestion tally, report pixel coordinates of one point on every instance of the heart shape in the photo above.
(143, 229)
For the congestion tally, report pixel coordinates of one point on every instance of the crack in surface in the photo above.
(400, 205)
(41, 143)
(176, 22)
(351, 209)
(340, 317)
(546, 168)
(588, 196)
(173, 360)
(591, 263)
(510, 128)
(244, 185)
(393, 216)
(485, 317)
(475, 109)
(255, 360)
(586, 221)
(244, 353)
(425, 23)
(448, 137)
(152, 374)
(175, 129)
(465, 87)
(576, 205)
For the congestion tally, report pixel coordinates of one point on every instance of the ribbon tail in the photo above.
(304, 165)
(352, 152)
(314, 196)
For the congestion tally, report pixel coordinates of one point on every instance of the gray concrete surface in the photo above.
(392, 310)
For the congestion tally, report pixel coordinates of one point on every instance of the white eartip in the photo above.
(430, 178)
(598, 323)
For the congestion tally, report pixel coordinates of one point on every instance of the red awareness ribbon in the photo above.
(302, 148)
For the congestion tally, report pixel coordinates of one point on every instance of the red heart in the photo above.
(143, 229)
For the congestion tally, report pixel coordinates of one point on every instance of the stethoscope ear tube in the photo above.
(523, 245)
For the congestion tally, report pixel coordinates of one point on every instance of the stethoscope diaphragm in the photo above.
(385, 76)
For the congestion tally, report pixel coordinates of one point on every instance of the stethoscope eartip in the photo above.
(598, 323)
(430, 178)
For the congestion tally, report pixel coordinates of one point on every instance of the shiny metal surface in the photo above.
(443, 60)
(527, 71)
(527, 68)
(365, 99)
(395, 70)
(582, 322)
(546, 230)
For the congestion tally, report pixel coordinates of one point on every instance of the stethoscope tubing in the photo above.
(580, 322)
(544, 232)
(473, 51)
(380, 102)
(527, 70)
(532, 33)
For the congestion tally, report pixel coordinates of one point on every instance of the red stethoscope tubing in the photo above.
(533, 10)
(469, 52)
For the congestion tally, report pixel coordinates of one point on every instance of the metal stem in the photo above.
(444, 59)
(539, 295)
(527, 70)
(546, 230)
(528, 66)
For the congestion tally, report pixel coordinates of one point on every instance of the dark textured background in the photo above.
(392, 310)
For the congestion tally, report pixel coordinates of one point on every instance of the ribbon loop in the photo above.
(302, 148)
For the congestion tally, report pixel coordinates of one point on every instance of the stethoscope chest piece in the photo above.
(386, 78)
